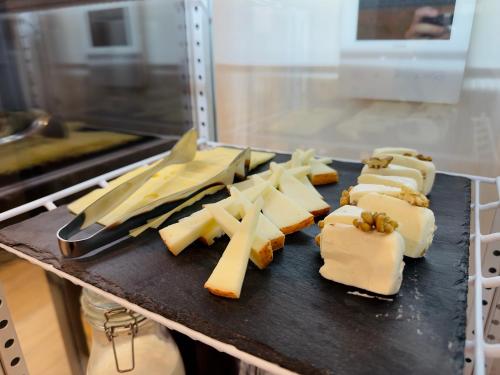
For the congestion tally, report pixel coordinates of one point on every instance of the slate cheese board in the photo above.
(288, 314)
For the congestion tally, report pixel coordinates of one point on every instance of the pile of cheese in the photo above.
(170, 180)
(393, 181)
(258, 214)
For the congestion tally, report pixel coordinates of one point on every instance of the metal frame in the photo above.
(201, 68)
(11, 357)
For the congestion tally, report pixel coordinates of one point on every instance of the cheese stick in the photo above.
(227, 277)
(261, 253)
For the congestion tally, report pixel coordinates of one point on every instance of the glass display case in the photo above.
(91, 90)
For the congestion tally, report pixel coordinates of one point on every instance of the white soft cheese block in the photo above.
(397, 170)
(396, 181)
(416, 224)
(362, 189)
(368, 260)
(395, 150)
(343, 215)
(227, 277)
(427, 168)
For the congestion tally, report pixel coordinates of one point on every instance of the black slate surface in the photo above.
(288, 314)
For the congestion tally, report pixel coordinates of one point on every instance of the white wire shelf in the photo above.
(478, 346)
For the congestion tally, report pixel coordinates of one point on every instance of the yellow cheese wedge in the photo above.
(295, 190)
(416, 224)
(307, 183)
(396, 181)
(427, 168)
(188, 229)
(368, 260)
(227, 278)
(397, 170)
(261, 253)
(180, 235)
(322, 174)
(287, 215)
(265, 228)
(395, 150)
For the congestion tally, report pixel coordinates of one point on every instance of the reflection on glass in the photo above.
(108, 27)
(396, 19)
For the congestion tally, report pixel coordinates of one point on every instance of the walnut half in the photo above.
(371, 221)
(378, 162)
(413, 197)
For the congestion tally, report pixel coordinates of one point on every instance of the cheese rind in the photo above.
(360, 190)
(416, 224)
(343, 215)
(368, 260)
(426, 168)
(322, 174)
(397, 170)
(396, 181)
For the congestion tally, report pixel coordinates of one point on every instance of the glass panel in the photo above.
(113, 77)
(347, 76)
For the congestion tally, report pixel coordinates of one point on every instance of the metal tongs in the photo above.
(77, 237)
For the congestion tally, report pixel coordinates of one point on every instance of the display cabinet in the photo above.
(124, 79)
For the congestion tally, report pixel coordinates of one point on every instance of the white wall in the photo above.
(307, 32)
(282, 32)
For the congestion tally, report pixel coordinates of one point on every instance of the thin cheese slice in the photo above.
(227, 278)
(262, 252)
(170, 180)
(397, 170)
(396, 181)
(427, 168)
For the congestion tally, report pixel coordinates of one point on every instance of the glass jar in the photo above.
(124, 341)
